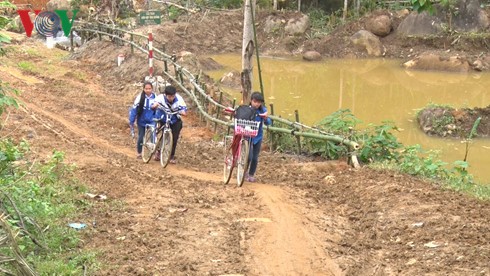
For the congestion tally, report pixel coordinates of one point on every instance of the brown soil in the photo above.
(458, 123)
(303, 218)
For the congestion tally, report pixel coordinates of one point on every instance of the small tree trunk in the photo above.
(344, 14)
(248, 48)
(275, 5)
(299, 5)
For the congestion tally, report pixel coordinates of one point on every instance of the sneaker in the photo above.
(157, 155)
(138, 156)
(251, 178)
(173, 161)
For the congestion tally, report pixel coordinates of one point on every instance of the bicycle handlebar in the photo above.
(168, 110)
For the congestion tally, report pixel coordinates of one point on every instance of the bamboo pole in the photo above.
(271, 138)
(298, 138)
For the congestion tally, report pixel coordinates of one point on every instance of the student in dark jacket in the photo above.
(257, 103)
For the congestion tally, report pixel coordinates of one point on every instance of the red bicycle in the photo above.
(237, 146)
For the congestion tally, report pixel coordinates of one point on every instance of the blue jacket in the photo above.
(177, 104)
(262, 109)
(147, 115)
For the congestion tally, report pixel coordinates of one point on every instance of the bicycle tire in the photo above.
(228, 160)
(242, 163)
(166, 148)
(149, 147)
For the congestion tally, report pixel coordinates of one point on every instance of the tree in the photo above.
(3, 23)
(248, 48)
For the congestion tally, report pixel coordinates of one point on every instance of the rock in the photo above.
(402, 13)
(297, 25)
(419, 24)
(272, 25)
(379, 25)
(478, 65)
(58, 5)
(470, 17)
(312, 56)
(430, 61)
(368, 41)
(232, 79)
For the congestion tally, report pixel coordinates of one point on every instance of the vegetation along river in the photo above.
(374, 90)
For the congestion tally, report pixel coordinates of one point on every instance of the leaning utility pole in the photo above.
(248, 48)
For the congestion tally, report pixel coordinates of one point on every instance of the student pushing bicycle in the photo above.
(171, 102)
(244, 150)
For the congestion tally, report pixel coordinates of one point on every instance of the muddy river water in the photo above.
(374, 90)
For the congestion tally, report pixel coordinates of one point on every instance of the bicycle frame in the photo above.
(167, 136)
(236, 155)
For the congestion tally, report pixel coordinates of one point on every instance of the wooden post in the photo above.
(218, 110)
(298, 139)
(231, 116)
(165, 64)
(71, 41)
(271, 134)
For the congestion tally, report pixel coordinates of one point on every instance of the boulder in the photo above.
(312, 56)
(272, 24)
(470, 17)
(430, 61)
(367, 41)
(419, 24)
(296, 26)
(58, 5)
(232, 79)
(379, 25)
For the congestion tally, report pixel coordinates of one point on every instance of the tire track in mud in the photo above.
(291, 249)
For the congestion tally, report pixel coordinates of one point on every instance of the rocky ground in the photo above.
(302, 218)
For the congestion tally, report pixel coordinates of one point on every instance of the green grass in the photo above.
(44, 192)
(27, 66)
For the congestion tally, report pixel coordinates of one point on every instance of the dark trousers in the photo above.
(253, 157)
(141, 134)
(176, 128)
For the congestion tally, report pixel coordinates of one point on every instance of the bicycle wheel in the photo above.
(166, 148)
(228, 162)
(148, 144)
(242, 165)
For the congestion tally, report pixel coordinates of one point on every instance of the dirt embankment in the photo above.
(304, 217)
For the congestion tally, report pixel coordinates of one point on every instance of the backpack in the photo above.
(245, 112)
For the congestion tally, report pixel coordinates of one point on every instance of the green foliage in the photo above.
(174, 12)
(379, 143)
(43, 193)
(415, 161)
(6, 100)
(4, 21)
(422, 5)
(323, 23)
(221, 4)
(26, 66)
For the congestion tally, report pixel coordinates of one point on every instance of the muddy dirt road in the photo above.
(303, 218)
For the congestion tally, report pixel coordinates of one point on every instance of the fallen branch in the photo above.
(177, 6)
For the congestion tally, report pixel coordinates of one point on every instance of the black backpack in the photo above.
(245, 112)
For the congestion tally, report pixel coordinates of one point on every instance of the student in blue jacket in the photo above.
(142, 113)
(257, 103)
